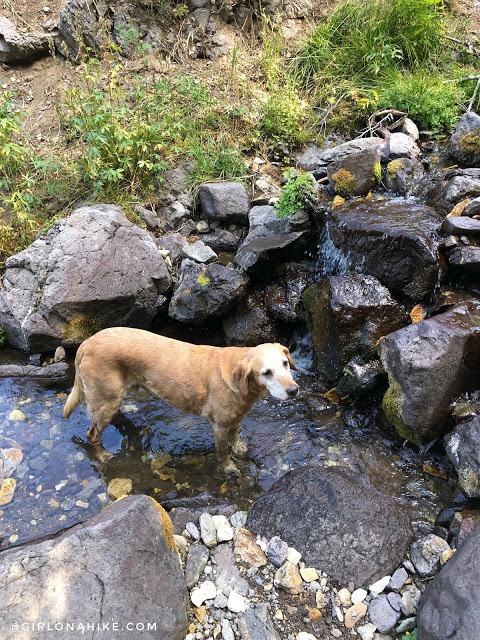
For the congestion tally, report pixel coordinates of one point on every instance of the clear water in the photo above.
(59, 482)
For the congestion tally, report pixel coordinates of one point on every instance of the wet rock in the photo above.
(277, 551)
(283, 297)
(270, 237)
(465, 260)
(245, 546)
(355, 175)
(402, 175)
(429, 363)
(382, 614)
(93, 269)
(197, 558)
(425, 554)
(16, 45)
(250, 324)
(199, 252)
(472, 208)
(461, 225)
(322, 510)
(205, 291)
(119, 487)
(50, 373)
(360, 379)
(449, 605)
(82, 25)
(16, 416)
(227, 201)
(288, 578)
(462, 448)
(456, 185)
(222, 240)
(347, 315)
(256, 624)
(7, 491)
(401, 145)
(464, 143)
(119, 561)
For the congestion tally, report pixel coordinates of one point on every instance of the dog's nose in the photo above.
(292, 391)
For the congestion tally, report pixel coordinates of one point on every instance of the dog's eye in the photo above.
(285, 364)
(268, 372)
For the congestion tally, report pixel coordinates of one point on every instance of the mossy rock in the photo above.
(470, 143)
(81, 328)
(377, 172)
(393, 167)
(344, 183)
(392, 407)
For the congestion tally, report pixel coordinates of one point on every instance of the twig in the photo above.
(470, 104)
(467, 44)
(461, 80)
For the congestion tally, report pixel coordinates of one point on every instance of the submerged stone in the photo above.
(462, 449)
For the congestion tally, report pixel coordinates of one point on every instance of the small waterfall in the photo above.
(331, 260)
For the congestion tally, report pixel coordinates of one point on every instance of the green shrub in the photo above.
(295, 192)
(362, 40)
(435, 105)
(282, 119)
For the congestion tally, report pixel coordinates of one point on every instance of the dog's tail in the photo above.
(76, 394)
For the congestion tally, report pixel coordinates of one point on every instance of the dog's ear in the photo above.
(289, 358)
(240, 376)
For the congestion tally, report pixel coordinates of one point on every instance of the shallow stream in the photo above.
(59, 483)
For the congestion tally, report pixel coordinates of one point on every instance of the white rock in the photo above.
(16, 416)
(358, 595)
(207, 530)
(227, 631)
(236, 602)
(180, 542)
(206, 591)
(190, 636)
(193, 530)
(293, 555)
(377, 587)
(367, 631)
(303, 635)
(223, 528)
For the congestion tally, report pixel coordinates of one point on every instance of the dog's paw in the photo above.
(231, 467)
(239, 447)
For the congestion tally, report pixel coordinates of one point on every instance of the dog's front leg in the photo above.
(239, 446)
(221, 433)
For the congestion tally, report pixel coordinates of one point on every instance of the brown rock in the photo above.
(354, 614)
(245, 546)
(288, 578)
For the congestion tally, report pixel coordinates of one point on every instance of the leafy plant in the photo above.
(296, 190)
(283, 118)
(434, 104)
(410, 636)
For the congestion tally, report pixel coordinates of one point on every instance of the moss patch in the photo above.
(203, 279)
(81, 328)
(470, 143)
(166, 524)
(392, 408)
(377, 172)
(344, 182)
(393, 167)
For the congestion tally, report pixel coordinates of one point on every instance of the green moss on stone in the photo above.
(344, 182)
(393, 167)
(392, 408)
(81, 328)
(377, 172)
(203, 279)
(470, 143)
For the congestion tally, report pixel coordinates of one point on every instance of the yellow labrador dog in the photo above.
(219, 383)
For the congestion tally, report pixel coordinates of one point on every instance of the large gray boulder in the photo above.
(227, 201)
(456, 185)
(347, 315)
(429, 363)
(250, 324)
(119, 568)
(93, 269)
(449, 605)
(336, 521)
(462, 449)
(394, 241)
(83, 24)
(16, 45)
(464, 143)
(315, 157)
(205, 291)
(270, 237)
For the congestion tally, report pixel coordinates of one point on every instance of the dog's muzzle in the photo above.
(292, 391)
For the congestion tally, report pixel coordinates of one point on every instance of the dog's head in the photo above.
(268, 366)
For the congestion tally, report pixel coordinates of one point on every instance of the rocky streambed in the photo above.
(371, 475)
